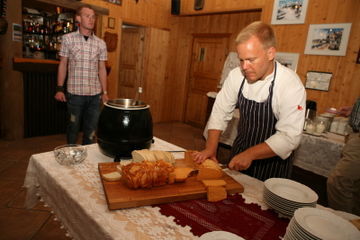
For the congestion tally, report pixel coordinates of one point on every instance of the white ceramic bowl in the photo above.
(70, 154)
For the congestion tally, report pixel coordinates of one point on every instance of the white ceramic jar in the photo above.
(320, 127)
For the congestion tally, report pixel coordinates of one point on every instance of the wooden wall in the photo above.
(155, 14)
(182, 29)
(345, 84)
(217, 16)
(11, 84)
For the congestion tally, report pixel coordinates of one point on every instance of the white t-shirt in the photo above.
(288, 105)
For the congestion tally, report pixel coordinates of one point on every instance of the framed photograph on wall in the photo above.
(318, 80)
(289, 60)
(289, 11)
(111, 22)
(118, 2)
(328, 39)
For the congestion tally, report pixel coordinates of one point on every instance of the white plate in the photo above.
(220, 235)
(325, 225)
(291, 190)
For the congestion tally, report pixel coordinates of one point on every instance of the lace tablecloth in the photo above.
(319, 154)
(76, 196)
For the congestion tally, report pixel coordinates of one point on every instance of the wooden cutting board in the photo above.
(118, 195)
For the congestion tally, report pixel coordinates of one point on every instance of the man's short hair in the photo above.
(78, 10)
(262, 31)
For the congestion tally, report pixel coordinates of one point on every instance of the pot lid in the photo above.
(126, 103)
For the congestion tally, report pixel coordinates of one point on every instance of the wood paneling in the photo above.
(216, 6)
(182, 30)
(345, 84)
(156, 58)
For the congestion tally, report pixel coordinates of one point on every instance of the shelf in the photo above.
(35, 65)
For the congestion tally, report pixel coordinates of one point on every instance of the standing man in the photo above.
(343, 183)
(82, 57)
(271, 100)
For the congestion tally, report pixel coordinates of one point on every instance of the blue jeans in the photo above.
(83, 110)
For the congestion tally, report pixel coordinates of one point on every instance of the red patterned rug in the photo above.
(231, 215)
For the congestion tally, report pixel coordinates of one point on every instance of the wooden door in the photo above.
(131, 61)
(156, 57)
(208, 57)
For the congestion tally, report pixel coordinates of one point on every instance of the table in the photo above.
(76, 196)
(317, 154)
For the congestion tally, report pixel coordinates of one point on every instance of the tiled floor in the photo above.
(18, 223)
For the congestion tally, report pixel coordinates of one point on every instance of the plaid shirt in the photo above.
(83, 62)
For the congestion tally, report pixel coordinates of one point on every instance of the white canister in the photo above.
(341, 129)
(334, 125)
(310, 127)
(320, 127)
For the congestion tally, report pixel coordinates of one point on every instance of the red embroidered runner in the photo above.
(232, 215)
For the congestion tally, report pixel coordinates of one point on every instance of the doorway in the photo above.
(209, 52)
(131, 65)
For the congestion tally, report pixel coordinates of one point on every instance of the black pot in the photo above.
(124, 125)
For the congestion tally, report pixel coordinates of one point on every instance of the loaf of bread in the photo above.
(215, 194)
(152, 155)
(209, 169)
(146, 174)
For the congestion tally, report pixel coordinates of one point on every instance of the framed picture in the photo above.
(289, 11)
(318, 80)
(289, 60)
(111, 22)
(118, 2)
(328, 39)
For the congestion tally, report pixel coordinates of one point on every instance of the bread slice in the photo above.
(209, 169)
(215, 194)
(112, 176)
(214, 183)
(182, 173)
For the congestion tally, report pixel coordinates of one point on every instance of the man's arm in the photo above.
(62, 69)
(103, 80)
(243, 160)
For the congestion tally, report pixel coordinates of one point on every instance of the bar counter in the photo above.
(35, 65)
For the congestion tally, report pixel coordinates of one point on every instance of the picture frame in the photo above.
(117, 2)
(289, 60)
(289, 11)
(328, 39)
(111, 23)
(318, 80)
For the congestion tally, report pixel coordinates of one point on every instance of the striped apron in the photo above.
(257, 123)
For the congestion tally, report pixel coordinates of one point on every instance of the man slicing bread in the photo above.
(271, 100)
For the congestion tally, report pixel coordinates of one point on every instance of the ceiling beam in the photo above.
(74, 4)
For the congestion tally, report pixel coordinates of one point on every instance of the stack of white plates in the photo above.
(285, 196)
(313, 224)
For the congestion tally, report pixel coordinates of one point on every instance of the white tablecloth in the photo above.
(319, 154)
(76, 196)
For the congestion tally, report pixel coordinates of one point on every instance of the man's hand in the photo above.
(104, 98)
(199, 157)
(60, 96)
(241, 161)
